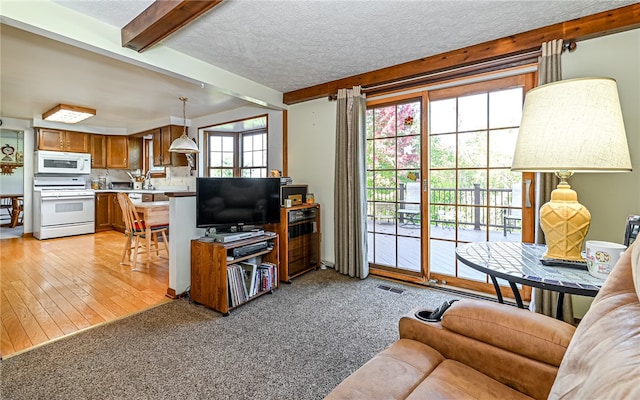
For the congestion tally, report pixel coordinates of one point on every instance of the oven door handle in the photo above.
(50, 198)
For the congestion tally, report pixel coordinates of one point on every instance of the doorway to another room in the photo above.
(11, 183)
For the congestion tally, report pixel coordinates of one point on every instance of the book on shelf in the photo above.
(236, 285)
(246, 279)
(244, 295)
(231, 286)
(268, 276)
(249, 271)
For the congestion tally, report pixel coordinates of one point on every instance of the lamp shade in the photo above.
(184, 145)
(572, 125)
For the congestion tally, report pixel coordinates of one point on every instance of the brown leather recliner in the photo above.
(485, 350)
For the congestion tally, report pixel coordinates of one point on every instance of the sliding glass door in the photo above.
(394, 161)
(438, 167)
(473, 195)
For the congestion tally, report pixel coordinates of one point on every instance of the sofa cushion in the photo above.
(392, 374)
(527, 334)
(603, 358)
(531, 377)
(454, 380)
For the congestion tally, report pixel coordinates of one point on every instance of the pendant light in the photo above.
(183, 144)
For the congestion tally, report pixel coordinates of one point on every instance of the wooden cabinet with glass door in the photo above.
(300, 248)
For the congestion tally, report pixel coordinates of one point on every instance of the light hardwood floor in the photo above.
(57, 287)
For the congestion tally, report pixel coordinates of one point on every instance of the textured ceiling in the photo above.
(289, 44)
(282, 44)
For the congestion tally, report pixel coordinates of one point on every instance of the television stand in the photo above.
(214, 272)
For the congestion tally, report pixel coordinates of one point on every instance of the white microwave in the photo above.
(58, 162)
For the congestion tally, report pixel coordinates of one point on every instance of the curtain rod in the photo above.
(460, 72)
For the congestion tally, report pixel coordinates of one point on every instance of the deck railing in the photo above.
(386, 203)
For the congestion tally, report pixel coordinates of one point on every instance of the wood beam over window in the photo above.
(601, 24)
(160, 20)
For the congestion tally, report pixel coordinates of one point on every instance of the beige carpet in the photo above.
(297, 343)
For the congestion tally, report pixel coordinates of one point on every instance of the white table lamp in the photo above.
(570, 126)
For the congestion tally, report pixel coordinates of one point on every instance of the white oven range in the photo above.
(62, 207)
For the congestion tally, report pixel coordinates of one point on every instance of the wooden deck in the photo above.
(57, 287)
(442, 247)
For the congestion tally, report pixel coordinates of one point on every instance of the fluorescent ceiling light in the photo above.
(68, 114)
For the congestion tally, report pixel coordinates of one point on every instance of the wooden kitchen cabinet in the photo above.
(59, 140)
(135, 153)
(154, 197)
(162, 139)
(115, 152)
(118, 152)
(108, 213)
(98, 151)
(117, 220)
(103, 212)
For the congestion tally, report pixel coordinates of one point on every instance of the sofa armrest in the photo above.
(517, 347)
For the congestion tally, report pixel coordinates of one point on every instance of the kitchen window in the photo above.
(156, 171)
(237, 148)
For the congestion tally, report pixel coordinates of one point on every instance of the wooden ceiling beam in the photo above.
(160, 20)
(601, 24)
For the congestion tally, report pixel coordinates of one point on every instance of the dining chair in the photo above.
(5, 210)
(17, 211)
(135, 230)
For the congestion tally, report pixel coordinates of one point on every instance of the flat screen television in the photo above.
(236, 204)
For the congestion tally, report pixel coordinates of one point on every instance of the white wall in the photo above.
(610, 197)
(312, 131)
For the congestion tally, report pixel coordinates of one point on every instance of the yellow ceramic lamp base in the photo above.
(565, 224)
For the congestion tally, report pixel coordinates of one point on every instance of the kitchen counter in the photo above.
(140, 191)
(158, 190)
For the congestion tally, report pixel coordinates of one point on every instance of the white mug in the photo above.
(602, 256)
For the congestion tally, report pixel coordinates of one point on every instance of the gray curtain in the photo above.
(549, 70)
(350, 184)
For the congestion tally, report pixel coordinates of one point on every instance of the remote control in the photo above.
(555, 262)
